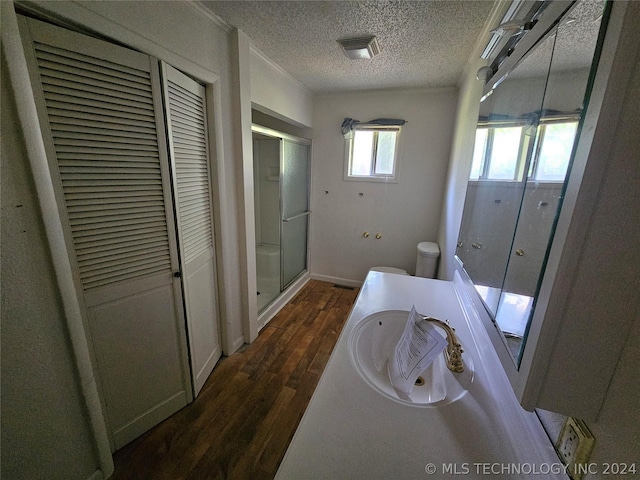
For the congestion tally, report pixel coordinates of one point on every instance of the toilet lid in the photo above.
(428, 249)
(398, 271)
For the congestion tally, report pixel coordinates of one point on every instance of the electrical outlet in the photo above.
(574, 446)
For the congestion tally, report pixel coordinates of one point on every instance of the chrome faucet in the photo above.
(453, 353)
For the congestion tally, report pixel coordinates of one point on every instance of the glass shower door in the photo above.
(295, 167)
(266, 169)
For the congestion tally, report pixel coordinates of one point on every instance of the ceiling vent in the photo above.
(360, 48)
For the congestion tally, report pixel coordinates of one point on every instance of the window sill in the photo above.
(385, 179)
(515, 183)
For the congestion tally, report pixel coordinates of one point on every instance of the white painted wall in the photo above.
(275, 92)
(404, 213)
(45, 429)
(459, 166)
(263, 87)
(243, 141)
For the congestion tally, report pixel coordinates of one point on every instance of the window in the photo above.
(500, 151)
(479, 153)
(553, 156)
(371, 153)
(497, 153)
(505, 153)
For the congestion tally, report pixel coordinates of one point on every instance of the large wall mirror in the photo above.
(528, 126)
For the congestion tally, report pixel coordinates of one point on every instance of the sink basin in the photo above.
(371, 344)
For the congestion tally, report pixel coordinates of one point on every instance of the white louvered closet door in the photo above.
(188, 148)
(100, 108)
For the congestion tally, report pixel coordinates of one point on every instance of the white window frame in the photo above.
(372, 177)
(521, 154)
(531, 175)
(542, 127)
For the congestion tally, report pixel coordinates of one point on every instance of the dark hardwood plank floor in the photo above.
(241, 424)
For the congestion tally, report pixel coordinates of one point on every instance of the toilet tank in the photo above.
(427, 259)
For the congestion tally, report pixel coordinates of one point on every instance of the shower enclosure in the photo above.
(281, 166)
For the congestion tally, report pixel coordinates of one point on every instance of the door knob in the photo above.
(177, 274)
(520, 252)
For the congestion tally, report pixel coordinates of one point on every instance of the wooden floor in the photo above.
(241, 424)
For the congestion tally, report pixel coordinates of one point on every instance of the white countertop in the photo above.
(351, 431)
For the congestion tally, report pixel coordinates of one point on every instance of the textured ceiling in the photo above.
(573, 46)
(577, 35)
(423, 43)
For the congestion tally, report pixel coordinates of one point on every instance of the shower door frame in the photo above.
(287, 291)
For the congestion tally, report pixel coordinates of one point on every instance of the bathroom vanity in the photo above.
(472, 424)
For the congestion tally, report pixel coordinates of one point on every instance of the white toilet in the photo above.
(426, 263)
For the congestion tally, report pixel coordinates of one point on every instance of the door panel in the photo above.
(188, 147)
(294, 248)
(295, 178)
(100, 111)
(203, 314)
(137, 335)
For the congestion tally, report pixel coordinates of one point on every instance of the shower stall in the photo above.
(281, 166)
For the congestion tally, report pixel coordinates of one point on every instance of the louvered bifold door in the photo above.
(100, 108)
(188, 147)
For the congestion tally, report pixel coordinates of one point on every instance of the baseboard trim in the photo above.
(237, 344)
(340, 281)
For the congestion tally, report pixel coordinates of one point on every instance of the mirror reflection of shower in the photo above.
(266, 180)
